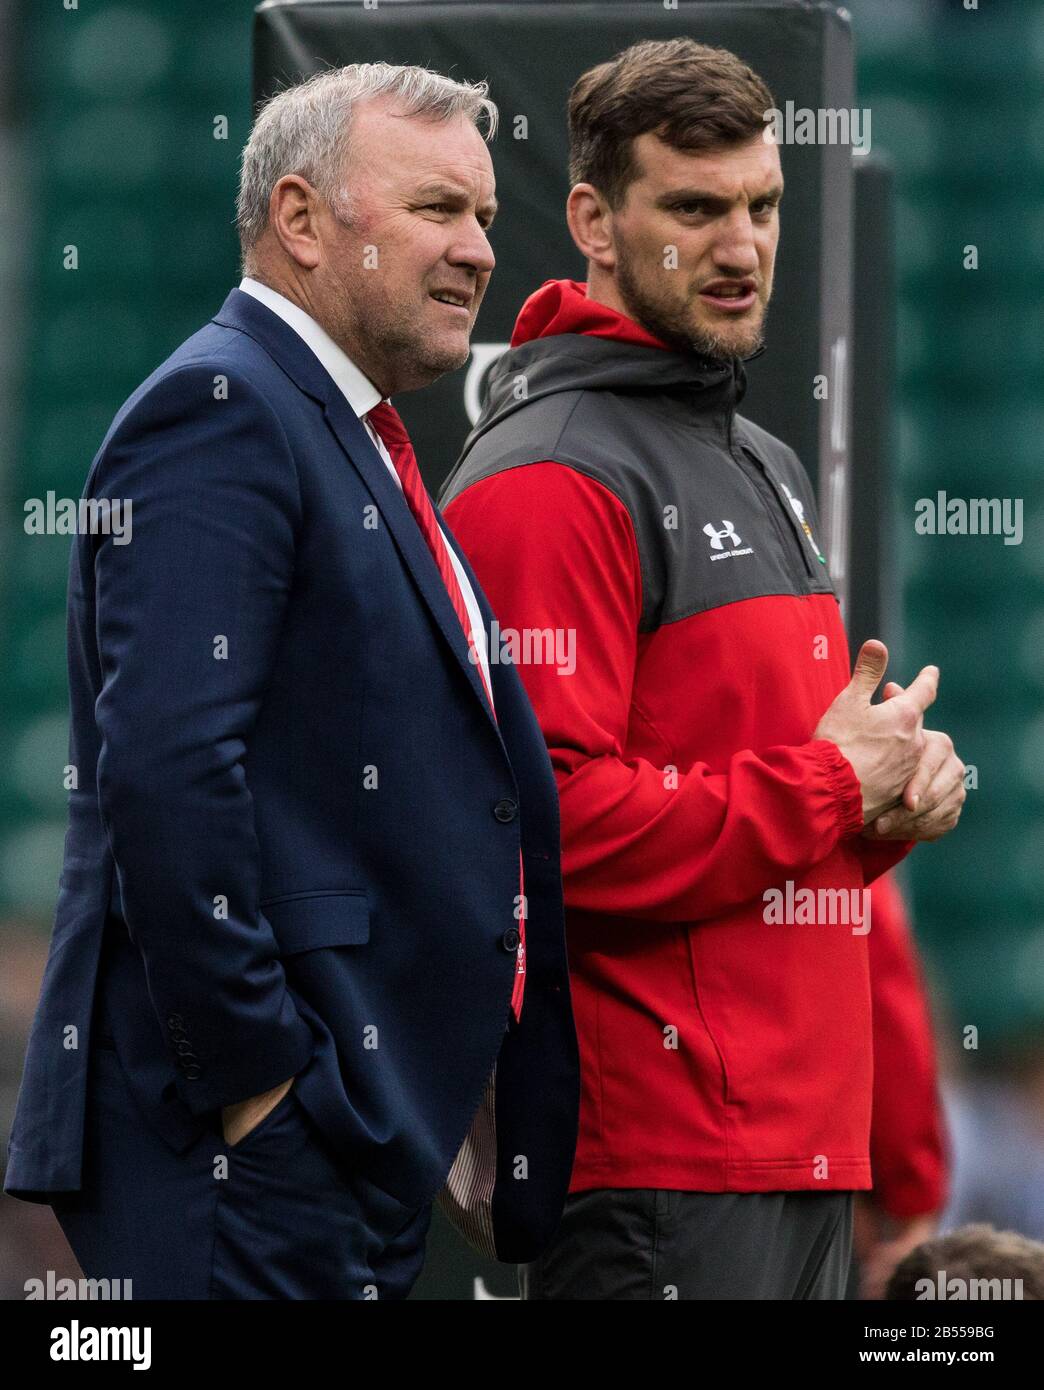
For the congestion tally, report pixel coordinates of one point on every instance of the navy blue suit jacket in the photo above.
(296, 824)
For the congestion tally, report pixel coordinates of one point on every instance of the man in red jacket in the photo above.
(726, 792)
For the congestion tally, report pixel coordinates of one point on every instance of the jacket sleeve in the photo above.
(908, 1145)
(878, 856)
(188, 618)
(556, 550)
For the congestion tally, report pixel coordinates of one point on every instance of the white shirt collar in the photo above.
(355, 386)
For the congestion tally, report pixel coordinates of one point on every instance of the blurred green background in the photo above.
(117, 105)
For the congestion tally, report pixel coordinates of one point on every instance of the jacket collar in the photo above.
(285, 346)
(352, 382)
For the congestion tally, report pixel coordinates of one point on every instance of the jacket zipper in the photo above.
(784, 505)
(771, 498)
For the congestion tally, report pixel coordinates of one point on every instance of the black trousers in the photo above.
(651, 1245)
(274, 1216)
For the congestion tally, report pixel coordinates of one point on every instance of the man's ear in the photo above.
(293, 217)
(590, 222)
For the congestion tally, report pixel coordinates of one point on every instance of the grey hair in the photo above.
(305, 130)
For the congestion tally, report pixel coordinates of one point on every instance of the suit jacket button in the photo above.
(174, 1021)
(505, 810)
(192, 1071)
(510, 939)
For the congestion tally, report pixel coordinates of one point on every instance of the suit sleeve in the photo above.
(188, 619)
(556, 549)
(907, 1132)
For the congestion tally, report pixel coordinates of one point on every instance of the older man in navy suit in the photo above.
(307, 969)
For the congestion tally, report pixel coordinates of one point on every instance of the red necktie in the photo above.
(386, 420)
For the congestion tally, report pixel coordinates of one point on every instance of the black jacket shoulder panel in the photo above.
(596, 434)
(718, 504)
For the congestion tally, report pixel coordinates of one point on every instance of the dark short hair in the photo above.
(971, 1252)
(693, 97)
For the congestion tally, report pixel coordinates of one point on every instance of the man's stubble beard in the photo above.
(667, 320)
(378, 333)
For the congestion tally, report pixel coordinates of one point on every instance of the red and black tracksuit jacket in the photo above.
(611, 493)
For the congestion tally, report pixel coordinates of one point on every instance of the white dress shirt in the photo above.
(362, 396)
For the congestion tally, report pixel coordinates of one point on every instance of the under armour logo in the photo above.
(718, 538)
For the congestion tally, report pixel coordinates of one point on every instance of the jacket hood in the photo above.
(562, 306)
(564, 341)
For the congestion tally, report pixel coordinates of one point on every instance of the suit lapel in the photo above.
(357, 444)
(248, 315)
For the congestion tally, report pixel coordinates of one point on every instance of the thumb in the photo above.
(870, 666)
(924, 687)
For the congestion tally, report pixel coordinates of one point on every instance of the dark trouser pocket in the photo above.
(272, 1120)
